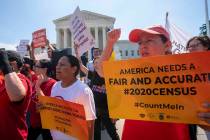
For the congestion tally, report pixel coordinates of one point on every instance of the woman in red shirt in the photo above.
(43, 83)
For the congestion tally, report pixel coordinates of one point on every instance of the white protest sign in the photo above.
(41, 53)
(178, 37)
(81, 33)
(22, 47)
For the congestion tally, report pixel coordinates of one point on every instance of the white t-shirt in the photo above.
(79, 93)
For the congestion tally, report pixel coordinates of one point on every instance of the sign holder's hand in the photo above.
(4, 63)
(205, 116)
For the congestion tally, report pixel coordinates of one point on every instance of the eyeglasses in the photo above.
(37, 66)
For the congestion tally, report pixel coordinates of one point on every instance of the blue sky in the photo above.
(19, 18)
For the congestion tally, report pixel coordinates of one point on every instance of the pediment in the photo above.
(88, 16)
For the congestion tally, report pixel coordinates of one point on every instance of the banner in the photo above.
(163, 88)
(178, 37)
(22, 48)
(63, 116)
(39, 38)
(81, 34)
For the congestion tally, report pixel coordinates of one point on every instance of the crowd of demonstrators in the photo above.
(20, 83)
(97, 85)
(43, 86)
(15, 90)
(69, 88)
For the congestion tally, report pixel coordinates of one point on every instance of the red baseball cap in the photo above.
(136, 34)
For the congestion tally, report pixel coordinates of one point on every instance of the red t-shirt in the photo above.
(13, 114)
(145, 130)
(35, 119)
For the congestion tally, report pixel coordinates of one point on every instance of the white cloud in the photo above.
(8, 46)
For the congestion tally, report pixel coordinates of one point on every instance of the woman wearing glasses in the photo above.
(198, 43)
(43, 85)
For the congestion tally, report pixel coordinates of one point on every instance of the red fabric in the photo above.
(13, 114)
(34, 115)
(145, 130)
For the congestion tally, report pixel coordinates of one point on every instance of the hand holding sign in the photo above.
(205, 116)
(77, 53)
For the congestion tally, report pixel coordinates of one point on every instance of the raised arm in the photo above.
(82, 67)
(112, 38)
(14, 86)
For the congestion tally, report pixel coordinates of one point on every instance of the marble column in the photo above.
(72, 43)
(58, 38)
(104, 36)
(96, 37)
(66, 38)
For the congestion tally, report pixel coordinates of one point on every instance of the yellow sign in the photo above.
(163, 88)
(63, 116)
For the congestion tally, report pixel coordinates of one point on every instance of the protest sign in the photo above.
(81, 34)
(63, 116)
(178, 37)
(162, 88)
(39, 38)
(22, 48)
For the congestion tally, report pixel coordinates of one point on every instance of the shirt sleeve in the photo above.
(89, 105)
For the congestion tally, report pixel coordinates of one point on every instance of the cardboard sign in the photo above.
(81, 34)
(39, 38)
(22, 47)
(163, 88)
(63, 116)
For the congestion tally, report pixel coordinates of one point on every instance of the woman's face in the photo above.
(64, 70)
(96, 63)
(39, 70)
(196, 46)
(152, 45)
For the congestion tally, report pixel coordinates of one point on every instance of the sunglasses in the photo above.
(37, 66)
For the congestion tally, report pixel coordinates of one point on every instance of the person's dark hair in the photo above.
(28, 61)
(44, 63)
(96, 49)
(74, 63)
(205, 41)
(14, 56)
(163, 38)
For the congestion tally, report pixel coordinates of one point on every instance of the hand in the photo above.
(39, 106)
(4, 63)
(40, 79)
(114, 36)
(205, 116)
(76, 46)
(51, 47)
